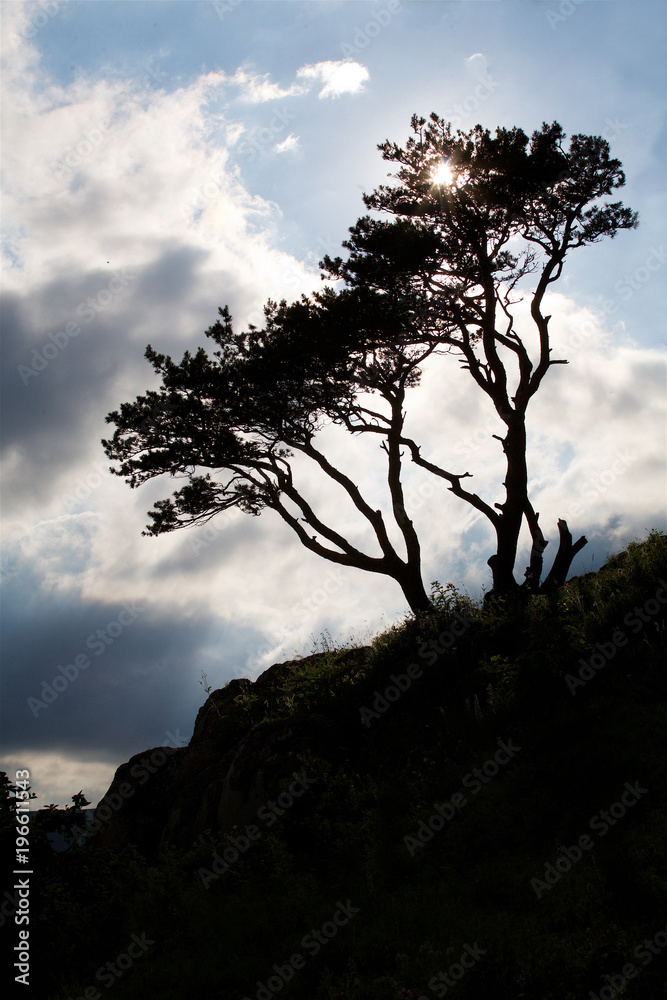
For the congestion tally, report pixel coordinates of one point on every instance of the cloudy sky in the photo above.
(163, 159)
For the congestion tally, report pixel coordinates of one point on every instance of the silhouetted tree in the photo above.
(261, 398)
(478, 219)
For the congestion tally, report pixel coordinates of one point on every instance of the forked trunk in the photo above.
(567, 550)
(508, 525)
(412, 586)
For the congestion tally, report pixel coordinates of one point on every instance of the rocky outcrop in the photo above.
(228, 771)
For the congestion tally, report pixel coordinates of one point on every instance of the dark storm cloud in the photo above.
(142, 672)
(170, 279)
(54, 383)
(67, 343)
(176, 301)
(66, 348)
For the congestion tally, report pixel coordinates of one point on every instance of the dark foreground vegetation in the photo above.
(495, 830)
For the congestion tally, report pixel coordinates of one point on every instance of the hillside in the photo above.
(475, 805)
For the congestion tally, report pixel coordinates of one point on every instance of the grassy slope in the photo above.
(502, 678)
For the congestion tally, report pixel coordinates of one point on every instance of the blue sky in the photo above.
(162, 159)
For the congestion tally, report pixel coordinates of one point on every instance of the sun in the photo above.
(443, 174)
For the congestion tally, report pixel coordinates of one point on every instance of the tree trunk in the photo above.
(508, 525)
(534, 569)
(412, 586)
(567, 550)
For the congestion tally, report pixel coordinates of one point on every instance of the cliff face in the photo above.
(457, 796)
(228, 771)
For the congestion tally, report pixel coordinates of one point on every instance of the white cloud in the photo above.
(610, 419)
(117, 171)
(477, 64)
(342, 77)
(56, 777)
(256, 88)
(110, 171)
(103, 177)
(288, 144)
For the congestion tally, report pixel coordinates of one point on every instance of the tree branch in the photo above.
(454, 481)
